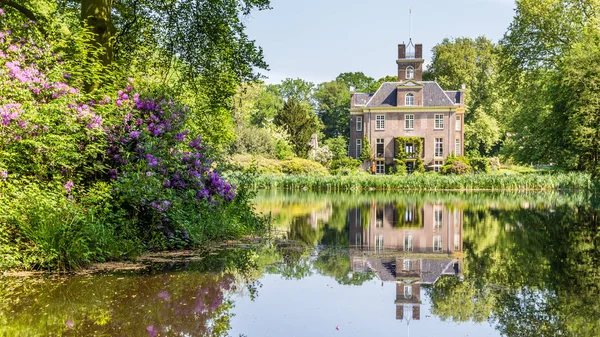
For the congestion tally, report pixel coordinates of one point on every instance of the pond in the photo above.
(350, 264)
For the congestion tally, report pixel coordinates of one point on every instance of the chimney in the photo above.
(419, 51)
(401, 51)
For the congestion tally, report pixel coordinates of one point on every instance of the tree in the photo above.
(578, 103)
(297, 89)
(535, 51)
(300, 123)
(356, 81)
(474, 64)
(333, 107)
(482, 133)
(338, 146)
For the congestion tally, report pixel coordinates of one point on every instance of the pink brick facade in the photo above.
(437, 116)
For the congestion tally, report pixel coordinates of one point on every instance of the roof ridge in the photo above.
(375, 94)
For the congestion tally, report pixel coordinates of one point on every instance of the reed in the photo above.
(533, 181)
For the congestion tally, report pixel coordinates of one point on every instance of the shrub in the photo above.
(302, 166)
(480, 164)
(456, 165)
(338, 147)
(399, 167)
(283, 149)
(344, 166)
(321, 155)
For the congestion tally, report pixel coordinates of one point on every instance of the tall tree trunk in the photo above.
(96, 14)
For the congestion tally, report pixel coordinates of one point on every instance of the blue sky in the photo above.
(318, 39)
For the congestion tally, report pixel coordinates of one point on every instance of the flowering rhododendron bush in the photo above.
(85, 177)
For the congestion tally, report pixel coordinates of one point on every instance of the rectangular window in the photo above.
(408, 265)
(439, 122)
(409, 122)
(456, 241)
(359, 123)
(458, 123)
(439, 148)
(437, 243)
(437, 165)
(437, 219)
(407, 291)
(379, 217)
(379, 243)
(380, 122)
(380, 148)
(358, 148)
(380, 167)
(408, 242)
(457, 147)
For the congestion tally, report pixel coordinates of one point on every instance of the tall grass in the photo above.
(557, 181)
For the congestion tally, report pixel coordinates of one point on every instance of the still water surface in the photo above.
(351, 264)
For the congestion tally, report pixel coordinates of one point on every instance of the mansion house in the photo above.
(407, 110)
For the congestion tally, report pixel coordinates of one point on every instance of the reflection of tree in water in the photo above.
(533, 271)
(174, 304)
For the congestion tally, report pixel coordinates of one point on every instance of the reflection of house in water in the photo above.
(407, 244)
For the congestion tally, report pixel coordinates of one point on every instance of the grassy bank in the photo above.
(532, 181)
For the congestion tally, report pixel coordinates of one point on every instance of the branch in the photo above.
(25, 11)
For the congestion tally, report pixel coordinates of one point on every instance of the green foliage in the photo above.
(300, 124)
(338, 146)
(402, 155)
(366, 153)
(560, 181)
(322, 155)
(333, 108)
(480, 164)
(297, 89)
(474, 64)
(344, 165)
(264, 165)
(283, 150)
(456, 165)
(356, 81)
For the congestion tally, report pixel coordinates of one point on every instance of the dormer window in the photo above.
(410, 73)
(410, 99)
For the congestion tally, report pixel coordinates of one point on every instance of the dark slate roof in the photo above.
(360, 99)
(454, 95)
(387, 95)
(433, 269)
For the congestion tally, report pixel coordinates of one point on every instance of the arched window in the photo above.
(410, 73)
(410, 99)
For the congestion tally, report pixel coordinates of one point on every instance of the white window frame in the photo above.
(379, 141)
(440, 142)
(379, 122)
(408, 292)
(438, 243)
(359, 145)
(409, 121)
(409, 99)
(380, 167)
(412, 73)
(438, 218)
(408, 242)
(458, 126)
(379, 243)
(456, 241)
(359, 123)
(457, 147)
(437, 165)
(438, 122)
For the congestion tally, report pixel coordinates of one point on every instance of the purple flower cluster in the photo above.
(152, 135)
